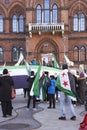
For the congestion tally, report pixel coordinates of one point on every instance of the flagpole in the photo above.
(64, 45)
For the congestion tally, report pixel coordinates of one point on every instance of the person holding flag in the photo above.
(66, 84)
(30, 81)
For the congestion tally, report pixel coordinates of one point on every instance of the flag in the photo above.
(70, 63)
(27, 67)
(63, 84)
(21, 57)
(35, 87)
(55, 63)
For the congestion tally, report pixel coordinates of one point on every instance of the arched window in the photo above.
(1, 54)
(14, 54)
(79, 22)
(75, 22)
(21, 23)
(14, 24)
(46, 11)
(82, 22)
(82, 53)
(1, 23)
(55, 14)
(39, 14)
(76, 53)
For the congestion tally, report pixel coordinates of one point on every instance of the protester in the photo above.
(64, 96)
(45, 86)
(51, 91)
(30, 80)
(34, 62)
(25, 92)
(6, 84)
(82, 85)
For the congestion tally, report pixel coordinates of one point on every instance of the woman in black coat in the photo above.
(6, 83)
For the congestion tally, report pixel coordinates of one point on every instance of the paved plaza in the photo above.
(39, 119)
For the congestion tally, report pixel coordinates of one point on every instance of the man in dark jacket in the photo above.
(6, 84)
(30, 83)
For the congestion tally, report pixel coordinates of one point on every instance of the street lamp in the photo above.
(27, 40)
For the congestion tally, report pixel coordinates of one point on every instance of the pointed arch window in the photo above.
(1, 54)
(15, 24)
(82, 22)
(76, 53)
(21, 23)
(75, 24)
(47, 14)
(18, 23)
(14, 54)
(1, 23)
(39, 14)
(54, 14)
(79, 22)
(82, 53)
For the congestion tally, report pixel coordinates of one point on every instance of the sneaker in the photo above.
(62, 118)
(73, 118)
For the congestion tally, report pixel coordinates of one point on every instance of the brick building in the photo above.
(43, 28)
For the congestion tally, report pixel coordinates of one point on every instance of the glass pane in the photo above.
(1, 23)
(47, 16)
(82, 54)
(15, 24)
(46, 11)
(1, 54)
(15, 54)
(82, 22)
(21, 24)
(76, 54)
(46, 4)
(55, 14)
(39, 15)
(75, 23)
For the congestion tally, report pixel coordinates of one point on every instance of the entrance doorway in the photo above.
(47, 59)
(46, 49)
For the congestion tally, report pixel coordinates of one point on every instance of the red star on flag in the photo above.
(63, 74)
(65, 83)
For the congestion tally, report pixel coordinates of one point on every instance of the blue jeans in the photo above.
(63, 98)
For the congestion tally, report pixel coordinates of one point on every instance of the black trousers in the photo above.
(6, 107)
(51, 98)
(29, 101)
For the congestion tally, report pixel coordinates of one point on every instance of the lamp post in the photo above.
(64, 45)
(27, 39)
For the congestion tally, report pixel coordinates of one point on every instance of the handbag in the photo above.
(13, 93)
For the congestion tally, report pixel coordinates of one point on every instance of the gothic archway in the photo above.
(48, 47)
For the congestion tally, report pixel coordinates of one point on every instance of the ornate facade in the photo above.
(43, 28)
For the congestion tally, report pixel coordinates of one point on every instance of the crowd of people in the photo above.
(49, 91)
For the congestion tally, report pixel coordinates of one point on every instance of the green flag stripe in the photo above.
(36, 83)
